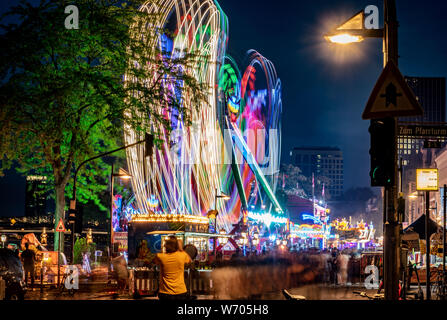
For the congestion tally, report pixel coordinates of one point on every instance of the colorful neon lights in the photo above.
(266, 218)
(151, 217)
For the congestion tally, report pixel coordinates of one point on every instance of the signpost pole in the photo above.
(443, 243)
(392, 229)
(427, 244)
(58, 262)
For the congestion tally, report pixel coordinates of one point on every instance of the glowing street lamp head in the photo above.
(344, 38)
(413, 195)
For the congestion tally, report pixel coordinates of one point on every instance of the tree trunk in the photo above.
(59, 213)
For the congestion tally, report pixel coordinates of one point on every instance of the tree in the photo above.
(64, 97)
(81, 246)
(294, 182)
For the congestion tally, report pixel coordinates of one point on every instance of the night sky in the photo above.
(325, 86)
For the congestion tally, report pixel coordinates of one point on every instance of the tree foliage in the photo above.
(293, 182)
(81, 246)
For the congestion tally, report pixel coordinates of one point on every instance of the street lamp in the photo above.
(344, 38)
(122, 174)
(351, 31)
(220, 196)
(148, 140)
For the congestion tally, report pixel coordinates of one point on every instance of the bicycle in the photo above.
(419, 295)
(62, 286)
(404, 285)
(439, 288)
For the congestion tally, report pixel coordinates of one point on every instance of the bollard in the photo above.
(2, 288)
(41, 279)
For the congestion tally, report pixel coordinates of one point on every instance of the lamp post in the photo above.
(222, 196)
(122, 175)
(73, 199)
(345, 34)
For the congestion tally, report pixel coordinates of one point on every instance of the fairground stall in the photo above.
(309, 226)
(146, 236)
(46, 264)
(264, 232)
(356, 236)
(310, 231)
(305, 236)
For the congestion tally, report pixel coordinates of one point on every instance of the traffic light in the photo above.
(149, 145)
(79, 220)
(382, 151)
(71, 215)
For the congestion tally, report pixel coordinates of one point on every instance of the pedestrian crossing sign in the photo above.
(60, 226)
(391, 96)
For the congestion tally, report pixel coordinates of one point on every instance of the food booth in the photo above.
(146, 236)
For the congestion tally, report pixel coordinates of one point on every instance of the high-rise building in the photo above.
(35, 196)
(322, 162)
(431, 94)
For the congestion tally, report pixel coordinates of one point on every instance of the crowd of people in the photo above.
(249, 274)
(252, 274)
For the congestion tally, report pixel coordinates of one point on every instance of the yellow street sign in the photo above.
(427, 179)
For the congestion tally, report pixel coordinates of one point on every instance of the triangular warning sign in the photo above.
(60, 226)
(391, 96)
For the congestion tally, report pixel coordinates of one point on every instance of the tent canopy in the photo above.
(418, 226)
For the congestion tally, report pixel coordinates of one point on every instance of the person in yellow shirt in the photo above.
(172, 267)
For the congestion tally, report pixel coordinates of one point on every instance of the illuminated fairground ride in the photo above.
(233, 145)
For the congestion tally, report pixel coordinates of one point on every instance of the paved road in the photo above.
(102, 291)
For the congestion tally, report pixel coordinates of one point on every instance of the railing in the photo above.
(146, 282)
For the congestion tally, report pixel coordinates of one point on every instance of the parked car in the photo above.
(11, 270)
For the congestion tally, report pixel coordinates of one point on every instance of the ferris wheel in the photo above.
(233, 145)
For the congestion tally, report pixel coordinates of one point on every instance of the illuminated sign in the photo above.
(427, 179)
(266, 218)
(36, 178)
(157, 218)
(306, 216)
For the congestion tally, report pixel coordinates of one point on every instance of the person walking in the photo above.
(122, 275)
(342, 268)
(172, 268)
(28, 258)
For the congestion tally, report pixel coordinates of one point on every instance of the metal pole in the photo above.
(391, 247)
(443, 244)
(427, 244)
(72, 240)
(401, 171)
(215, 223)
(73, 199)
(111, 209)
(58, 262)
